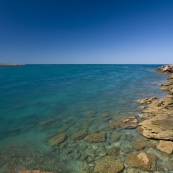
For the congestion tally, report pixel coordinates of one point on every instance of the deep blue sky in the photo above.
(86, 31)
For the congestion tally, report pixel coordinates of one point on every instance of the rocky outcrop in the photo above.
(147, 100)
(142, 160)
(166, 69)
(159, 113)
(108, 164)
(158, 127)
(95, 137)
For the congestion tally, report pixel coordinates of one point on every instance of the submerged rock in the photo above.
(76, 155)
(126, 150)
(114, 125)
(141, 144)
(106, 113)
(108, 165)
(79, 135)
(102, 153)
(83, 156)
(124, 136)
(47, 121)
(115, 136)
(129, 122)
(165, 146)
(62, 145)
(57, 139)
(142, 160)
(112, 151)
(126, 122)
(131, 170)
(87, 168)
(95, 137)
(33, 171)
(90, 159)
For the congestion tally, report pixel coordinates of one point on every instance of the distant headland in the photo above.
(5, 64)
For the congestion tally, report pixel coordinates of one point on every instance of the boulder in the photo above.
(79, 135)
(95, 137)
(142, 160)
(141, 144)
(108, 164)
(57, 139)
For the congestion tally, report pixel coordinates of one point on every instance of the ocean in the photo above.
(38, 102)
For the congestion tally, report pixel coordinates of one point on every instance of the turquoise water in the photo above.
(40, 101)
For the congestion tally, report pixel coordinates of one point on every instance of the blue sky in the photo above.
(85, 31)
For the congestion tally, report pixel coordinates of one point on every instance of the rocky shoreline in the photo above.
(4, 64)
(158, 114)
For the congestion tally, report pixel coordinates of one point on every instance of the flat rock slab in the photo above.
(158, 127)
(165, 146)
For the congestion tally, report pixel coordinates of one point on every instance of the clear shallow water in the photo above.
(39, 101)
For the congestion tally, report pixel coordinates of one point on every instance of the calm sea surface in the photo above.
(41, 101)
